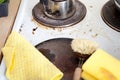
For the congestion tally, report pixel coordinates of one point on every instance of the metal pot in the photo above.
(117, 4)
(58, 9)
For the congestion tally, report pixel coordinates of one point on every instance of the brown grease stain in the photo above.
(45, 27)
(20, 30)
(34, 29)
(95, 35)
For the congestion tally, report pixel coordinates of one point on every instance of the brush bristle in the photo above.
(83, 46)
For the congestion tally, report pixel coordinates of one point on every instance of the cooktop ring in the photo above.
(41, 18)
(111, 16)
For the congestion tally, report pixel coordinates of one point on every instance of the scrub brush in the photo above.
(83, 48)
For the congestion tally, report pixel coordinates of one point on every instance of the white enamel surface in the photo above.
(91, 27)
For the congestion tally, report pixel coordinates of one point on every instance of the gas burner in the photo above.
(40, 16)
(111, 15)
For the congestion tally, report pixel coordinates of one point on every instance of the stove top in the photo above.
(91, 27)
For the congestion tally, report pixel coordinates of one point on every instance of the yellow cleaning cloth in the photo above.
(24, 62)
(102, 66)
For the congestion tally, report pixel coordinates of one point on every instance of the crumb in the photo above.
(90, 30)
(94, 36)
(34, 29)
(33, 32)
(20, 28)
(53, 28)
(70, 33)
(59, 29)
(40, 25)
(91, 6)
(84, 32)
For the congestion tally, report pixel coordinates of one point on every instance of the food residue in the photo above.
(40, 25)
(34, 29)
(91, 6)
(84, 32)
(94, 36)
(47, 27)
(90, 30)
(20, 28)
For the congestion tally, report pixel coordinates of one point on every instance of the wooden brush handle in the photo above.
(77, 73)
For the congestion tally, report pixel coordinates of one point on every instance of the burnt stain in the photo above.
(90, 30)
(34, 29)
(95, 35)
(48, 54)
(20, 30)
(91, 6)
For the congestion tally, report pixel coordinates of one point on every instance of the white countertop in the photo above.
(91, 27)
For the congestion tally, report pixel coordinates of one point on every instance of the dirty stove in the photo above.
(93, 25)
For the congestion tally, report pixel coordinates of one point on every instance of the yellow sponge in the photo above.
(87, 76)
(102, 66)
(24, 62)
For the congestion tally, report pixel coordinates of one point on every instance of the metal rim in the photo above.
(41, 18)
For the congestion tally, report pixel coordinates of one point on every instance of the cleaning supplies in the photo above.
(83, 48)
(102, 66)
(25, 62)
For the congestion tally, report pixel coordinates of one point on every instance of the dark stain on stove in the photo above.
(56, 13)
(59, 29)
(48, 54)
(84, 32)
(20, 28)
(95, 35)
(34, 29)
(91, 6)
(44, 16)
(53, 28)
(40, 25)
(90, 30)
(45, 27)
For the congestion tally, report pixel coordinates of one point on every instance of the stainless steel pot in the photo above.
(58, 9)
(117, 4)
